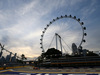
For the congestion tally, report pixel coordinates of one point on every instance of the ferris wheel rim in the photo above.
(61, 17)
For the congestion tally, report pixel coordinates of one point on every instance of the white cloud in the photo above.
(27, 8)
(89, 9)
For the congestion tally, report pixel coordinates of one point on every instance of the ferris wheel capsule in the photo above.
(70, 15)
(50, 22)
(74, 17)
(53, 19)
(65, 15)
(78, 19)
(61, 16)
(85, 34)
(84, 40)
(82, 23)
(84, 28)
(47, 25)
(57, 18)
(43, 32)
(41, 35)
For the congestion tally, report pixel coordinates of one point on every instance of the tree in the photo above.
(67, 55)
(23, 57)
(91, 54)
(52, 53)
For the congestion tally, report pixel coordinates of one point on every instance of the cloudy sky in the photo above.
(22, 22)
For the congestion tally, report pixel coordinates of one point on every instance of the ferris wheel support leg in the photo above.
(61, 44)
(56, 41)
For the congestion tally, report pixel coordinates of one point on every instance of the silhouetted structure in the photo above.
(8, 57)
(75, 51)
(97, 52)
(2, 59)
(14, 58)
(53, 53)
(1, 53)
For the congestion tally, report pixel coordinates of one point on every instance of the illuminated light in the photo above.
(32, 62)
(85, 34)
(70, 15)
(65, 15)
(75, 17)
(82, 23)
(84, 28)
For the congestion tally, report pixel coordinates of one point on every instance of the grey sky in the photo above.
(22, 22)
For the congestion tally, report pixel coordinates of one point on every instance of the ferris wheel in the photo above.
(61, 32)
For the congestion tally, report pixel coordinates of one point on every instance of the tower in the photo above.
(8, 57)
(14, 58)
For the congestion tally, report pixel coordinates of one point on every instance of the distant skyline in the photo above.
(22, 22)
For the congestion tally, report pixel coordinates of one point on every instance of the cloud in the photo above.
(22, 22)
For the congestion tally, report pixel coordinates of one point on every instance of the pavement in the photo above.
(51, 71)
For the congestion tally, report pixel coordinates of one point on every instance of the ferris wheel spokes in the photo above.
(59, 44)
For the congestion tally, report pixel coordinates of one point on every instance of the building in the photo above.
(97, 52)
(84, 52)
(13, 59)
(8, 57)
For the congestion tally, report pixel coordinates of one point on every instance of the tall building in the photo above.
(2, 59)
(8, 57)
(14, 58)
(84, 52)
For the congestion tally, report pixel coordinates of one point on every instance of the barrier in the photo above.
(3, 68)
(23, 73)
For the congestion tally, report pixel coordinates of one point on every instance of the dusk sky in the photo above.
(22, 22)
